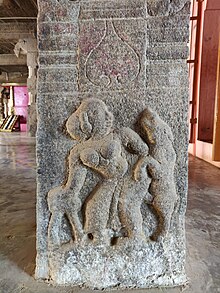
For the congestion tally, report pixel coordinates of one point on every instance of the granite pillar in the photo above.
(112, 142)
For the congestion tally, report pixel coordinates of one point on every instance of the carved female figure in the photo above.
(98, 150)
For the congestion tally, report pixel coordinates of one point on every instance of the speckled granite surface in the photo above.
(112, 175)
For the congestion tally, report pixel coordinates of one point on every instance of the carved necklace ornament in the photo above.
(112, 61)
(129, 171)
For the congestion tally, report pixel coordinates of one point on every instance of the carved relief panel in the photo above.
(130, 172)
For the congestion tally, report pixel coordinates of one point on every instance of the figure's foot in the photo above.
(138, 238)
(79, 237)
(158, 237)
(85, 240)
(97, 239)
(123, 240)
(132, 240)
(55, 245)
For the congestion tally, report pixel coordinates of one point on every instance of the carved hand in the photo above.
(140, 169)
(90, 158)
(145, 165)
(133, 142)
(110, 166)
(154, 168)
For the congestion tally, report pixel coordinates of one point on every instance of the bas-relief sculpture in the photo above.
(132, 170)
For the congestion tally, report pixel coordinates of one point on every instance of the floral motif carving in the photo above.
(113, 60)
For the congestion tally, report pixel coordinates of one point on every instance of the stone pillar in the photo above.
(28, 47)
(112, 142)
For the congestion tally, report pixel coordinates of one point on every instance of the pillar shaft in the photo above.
(112, 142)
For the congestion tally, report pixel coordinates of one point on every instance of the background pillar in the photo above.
(28, 47)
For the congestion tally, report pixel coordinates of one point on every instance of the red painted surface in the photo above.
(213, 4)
(208, 74)
(206, 59)
(21, 105)
(197, 13)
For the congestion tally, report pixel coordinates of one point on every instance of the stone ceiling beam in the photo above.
(16, 31)
(10, 59)
(13, 77)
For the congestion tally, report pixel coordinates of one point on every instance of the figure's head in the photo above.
(154, 127)
(91, 119)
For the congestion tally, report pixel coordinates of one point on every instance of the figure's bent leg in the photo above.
(73, 204)
(98, 209)
(164, 219)
(72, 212)
(130, 214)
(56, 236)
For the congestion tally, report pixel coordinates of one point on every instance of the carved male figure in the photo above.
(136, 184)
(160, 141)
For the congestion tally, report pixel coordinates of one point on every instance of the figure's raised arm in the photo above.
(133, 142)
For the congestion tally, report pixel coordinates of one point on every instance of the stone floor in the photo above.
(17, 218)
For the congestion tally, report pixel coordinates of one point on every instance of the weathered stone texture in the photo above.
(112, 142)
